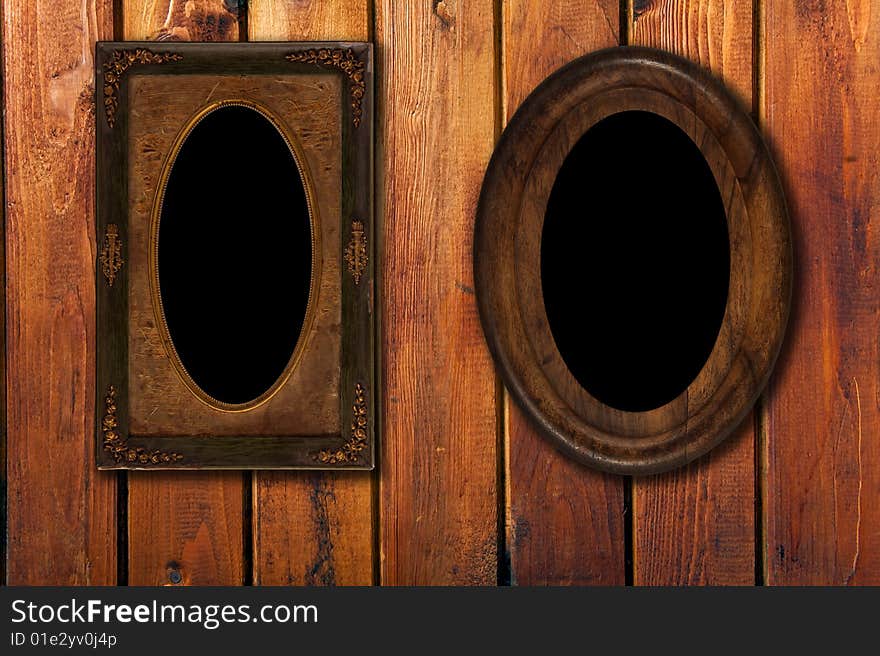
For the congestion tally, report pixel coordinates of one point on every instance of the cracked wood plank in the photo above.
(312, 528)
(564, 521)
(61, 510)
(822, 455)
(696, 525)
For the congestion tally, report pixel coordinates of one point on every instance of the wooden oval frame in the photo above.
(507, 243)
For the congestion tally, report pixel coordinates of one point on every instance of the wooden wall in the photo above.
(465, 492)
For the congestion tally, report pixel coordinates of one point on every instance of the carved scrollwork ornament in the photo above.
(350, 451)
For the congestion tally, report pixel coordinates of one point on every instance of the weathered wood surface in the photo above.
(696, 525)
(821, 456)
(438, 514)
(180, 20)
(61, 510)
(3, 484)
(309, 20)
(565, 522)
(185, 525)
(312, 528)
(819, 463)
(185, 528)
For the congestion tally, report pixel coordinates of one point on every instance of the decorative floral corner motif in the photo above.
(350, 451)
(118, 447)
(356, 252)
(111, 253)
(346, 61)
(117, 67)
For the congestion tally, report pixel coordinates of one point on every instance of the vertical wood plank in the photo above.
(564, 522)
(4, 518)
(184, 527)
(309, 20)
(821, 455)
(312, 528)
(61, 510)
(180, 20)
(696, 525)
(438, 521)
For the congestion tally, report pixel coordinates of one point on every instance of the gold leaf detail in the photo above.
(111, 253)
(117, 67)
(356, 253)
(345, 60)
(350, 451)
(117, 445)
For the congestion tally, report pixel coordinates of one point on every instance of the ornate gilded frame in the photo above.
(354, 445)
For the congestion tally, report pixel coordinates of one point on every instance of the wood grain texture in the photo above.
(193, 520)
(716, 34)
(438, 517)
(4, 511)
(821, 454)
(186, 525)
(696, 525)
(309, 20)
(180, 20)
(61, 521)
(564, 521)
(312, 528)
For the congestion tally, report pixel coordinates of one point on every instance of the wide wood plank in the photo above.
(61, 510)
(184, 527)
(821, 454)
(565, 522)
(438, 521)
(696, 525)
(312, 528)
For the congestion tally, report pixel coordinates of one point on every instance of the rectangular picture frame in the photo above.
(232, 444)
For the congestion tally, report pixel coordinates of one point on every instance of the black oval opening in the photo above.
(235, 254)
(635, 261)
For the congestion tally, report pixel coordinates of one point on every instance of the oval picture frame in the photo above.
(298, 156)
(507, 244)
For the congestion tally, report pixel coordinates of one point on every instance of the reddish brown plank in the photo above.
(438, 522)
(3, 486)
(564, 521)
(312, 528)
(61, 510)
(184, 527)
(696, 525)
(821, 454)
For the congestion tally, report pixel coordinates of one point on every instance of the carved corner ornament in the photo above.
(356, 252)
(345, 60)
(111, 253)
(350, 451)
(117, 67)
(118, 447)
